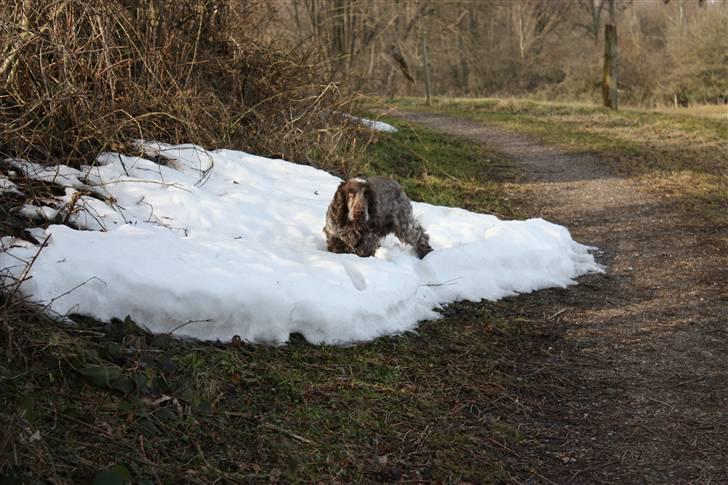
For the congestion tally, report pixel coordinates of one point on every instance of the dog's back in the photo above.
(390, 198)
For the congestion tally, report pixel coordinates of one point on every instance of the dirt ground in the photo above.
(633, 385)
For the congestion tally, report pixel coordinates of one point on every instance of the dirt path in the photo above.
(634, 389)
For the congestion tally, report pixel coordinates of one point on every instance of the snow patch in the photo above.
(8, 186)
(59, 174)
(226, 243)
(43, 213)
(374, 124)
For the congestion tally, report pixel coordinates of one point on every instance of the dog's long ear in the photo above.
(371, 201)
(339, 208)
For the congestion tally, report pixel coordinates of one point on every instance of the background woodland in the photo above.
(539, 48)
(80, 77)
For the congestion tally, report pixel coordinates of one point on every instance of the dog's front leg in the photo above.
(367, 245)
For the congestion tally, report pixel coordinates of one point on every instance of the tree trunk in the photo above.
(426, 62)
(609, 80)
(612, 12)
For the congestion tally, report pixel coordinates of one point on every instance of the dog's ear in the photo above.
(339, 207)
(371, 201)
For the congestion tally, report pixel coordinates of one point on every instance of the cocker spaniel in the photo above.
(364, 211)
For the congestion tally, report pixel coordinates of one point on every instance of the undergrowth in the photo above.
(88, 400)
(81, 77)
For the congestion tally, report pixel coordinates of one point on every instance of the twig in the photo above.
(557, 313)
(289, 433)
(188, 323)
(444, 283)
(96, 217)
(71, 206)
(24, 275)
(72, 290)
(121, 161)
(142, 181)
(207, 173)
(194, 51)
(144, 455)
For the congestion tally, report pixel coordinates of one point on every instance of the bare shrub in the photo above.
(698, 56)
(79, 77)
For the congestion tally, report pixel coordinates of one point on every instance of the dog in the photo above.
(365, 210)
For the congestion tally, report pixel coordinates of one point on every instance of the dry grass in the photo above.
(79, 77)
(681, 155)
(712, 111)
(517, 104)
(103, 399)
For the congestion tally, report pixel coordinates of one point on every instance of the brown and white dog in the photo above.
(364, 211)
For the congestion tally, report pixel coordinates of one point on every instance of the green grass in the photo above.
(678, 155)
(107, 400)
(409, 406)
(445, 170)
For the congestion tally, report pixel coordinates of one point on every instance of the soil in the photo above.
(633, 387)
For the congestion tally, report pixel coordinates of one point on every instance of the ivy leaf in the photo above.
(116, 475)
(108, 377)
(114, 351)
(100, 376)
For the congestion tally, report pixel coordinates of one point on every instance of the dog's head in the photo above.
(353, 202)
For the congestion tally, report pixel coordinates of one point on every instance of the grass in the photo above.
(406, 406)
(675, 154)
(445, 170)
(714, 111)
(109, 402)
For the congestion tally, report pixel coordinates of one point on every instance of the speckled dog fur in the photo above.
(364, 211)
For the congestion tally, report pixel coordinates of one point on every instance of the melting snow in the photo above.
(8, 186)
(225, 243)
(374, 124)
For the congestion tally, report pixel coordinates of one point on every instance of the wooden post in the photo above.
(609, 80)
(426, 62)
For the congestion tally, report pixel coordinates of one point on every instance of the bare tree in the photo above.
(492, 47)
(533, 20)
(594, 8)
(681, 11)
(611, 60)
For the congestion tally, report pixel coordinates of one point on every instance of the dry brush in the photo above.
(80, 77)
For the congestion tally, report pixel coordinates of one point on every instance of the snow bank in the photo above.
(225, 243)
(373, 124)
